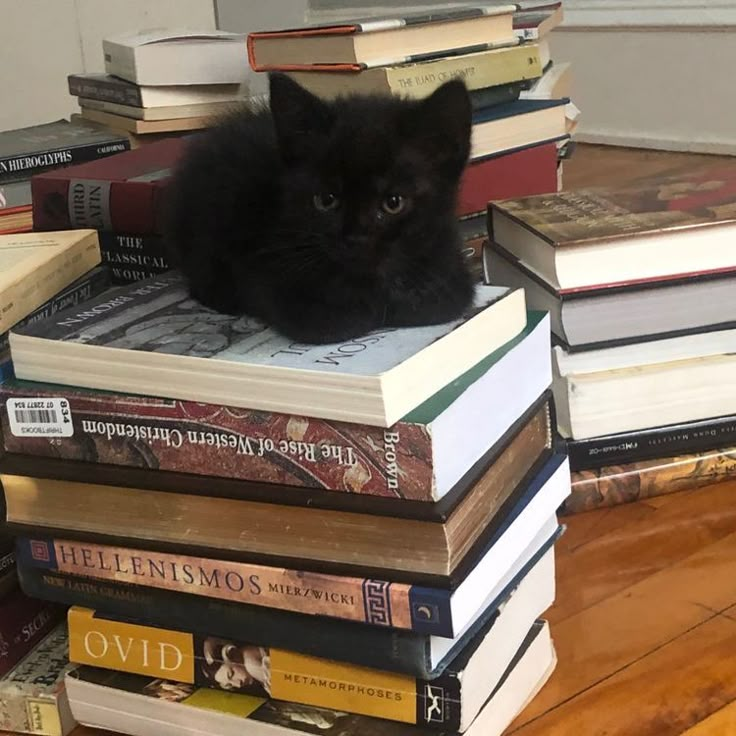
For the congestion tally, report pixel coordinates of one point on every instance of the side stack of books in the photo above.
(27, 151)
(366, 526)
(641, 286)
(160, 83)
(122, 198)
(40, 275)
(520, 129)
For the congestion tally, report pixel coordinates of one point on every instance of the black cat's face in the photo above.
(368, 178)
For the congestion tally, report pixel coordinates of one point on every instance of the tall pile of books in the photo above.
(27, 151)
(640, 284)
(353, 538)
(522, 114)
(162, 83)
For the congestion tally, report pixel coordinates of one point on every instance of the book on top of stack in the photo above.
(639, 282)
(160, 82)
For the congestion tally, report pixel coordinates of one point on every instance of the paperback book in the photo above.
(145, 705)
(374, 379)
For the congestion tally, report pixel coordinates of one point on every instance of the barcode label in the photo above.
(40, 418)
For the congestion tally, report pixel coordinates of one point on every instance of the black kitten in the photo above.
(327, 219)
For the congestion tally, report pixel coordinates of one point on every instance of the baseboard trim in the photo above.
(673, 15)
(610, 138)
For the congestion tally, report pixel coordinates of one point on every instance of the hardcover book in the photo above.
(531, 170)
(602, 316)
(27, 151)
(656, 229)
(23, 623)
(401, 651)
(614, 484)
(378, 42)
(479, 70)
(176, 57)
(14, 195)
(657, 442)
(376, 379)
(88, 286)
(442, 611)
(424, 457)
(504, 128)
(147, 127)
(36, 266)
(124, 193)
(107, 88)
(448, 702)
(32, 695)
(531, 25)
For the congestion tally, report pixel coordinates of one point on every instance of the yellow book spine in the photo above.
(231, 666)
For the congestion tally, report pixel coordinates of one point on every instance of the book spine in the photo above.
(14, 195)
(106, 90)
(632, 447)
(616, 484)
(227, 442)
(32, 695)
(23, 623)
(133, 257)
(255, 669)
(367, 646)
(123, 206)
(25, 165)
(375, 602)
(477, 71)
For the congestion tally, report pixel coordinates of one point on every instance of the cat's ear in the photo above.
(441, 126)
(298, 116)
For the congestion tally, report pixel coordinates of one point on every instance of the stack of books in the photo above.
(353, 538)
(122, 198)
(641, 286)
(40, 275)
(164, 82)
(520, 99)
(27, 151)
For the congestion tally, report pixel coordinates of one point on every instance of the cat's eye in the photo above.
(393, 204)
(326, 201)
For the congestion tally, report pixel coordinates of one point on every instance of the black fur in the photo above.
(245, 230)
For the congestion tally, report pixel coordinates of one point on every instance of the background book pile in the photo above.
(387, 548)
(640, 286)
(164, 82)
(522, 120)
(27, 151)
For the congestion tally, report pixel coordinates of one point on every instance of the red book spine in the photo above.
(134, 207)
(23, 623)
(228, 442)
(521, 173)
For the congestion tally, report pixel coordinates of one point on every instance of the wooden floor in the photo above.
(645, 619)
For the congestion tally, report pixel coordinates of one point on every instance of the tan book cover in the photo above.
(690, 199)
(35, 266)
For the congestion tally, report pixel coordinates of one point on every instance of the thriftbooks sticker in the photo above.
(40, 417)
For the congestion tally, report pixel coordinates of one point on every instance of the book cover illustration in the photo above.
(264, 672)
(159, 316)
(701, 197)
(32, 697)
(615, 484)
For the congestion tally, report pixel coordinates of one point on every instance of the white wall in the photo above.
(41, 41)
